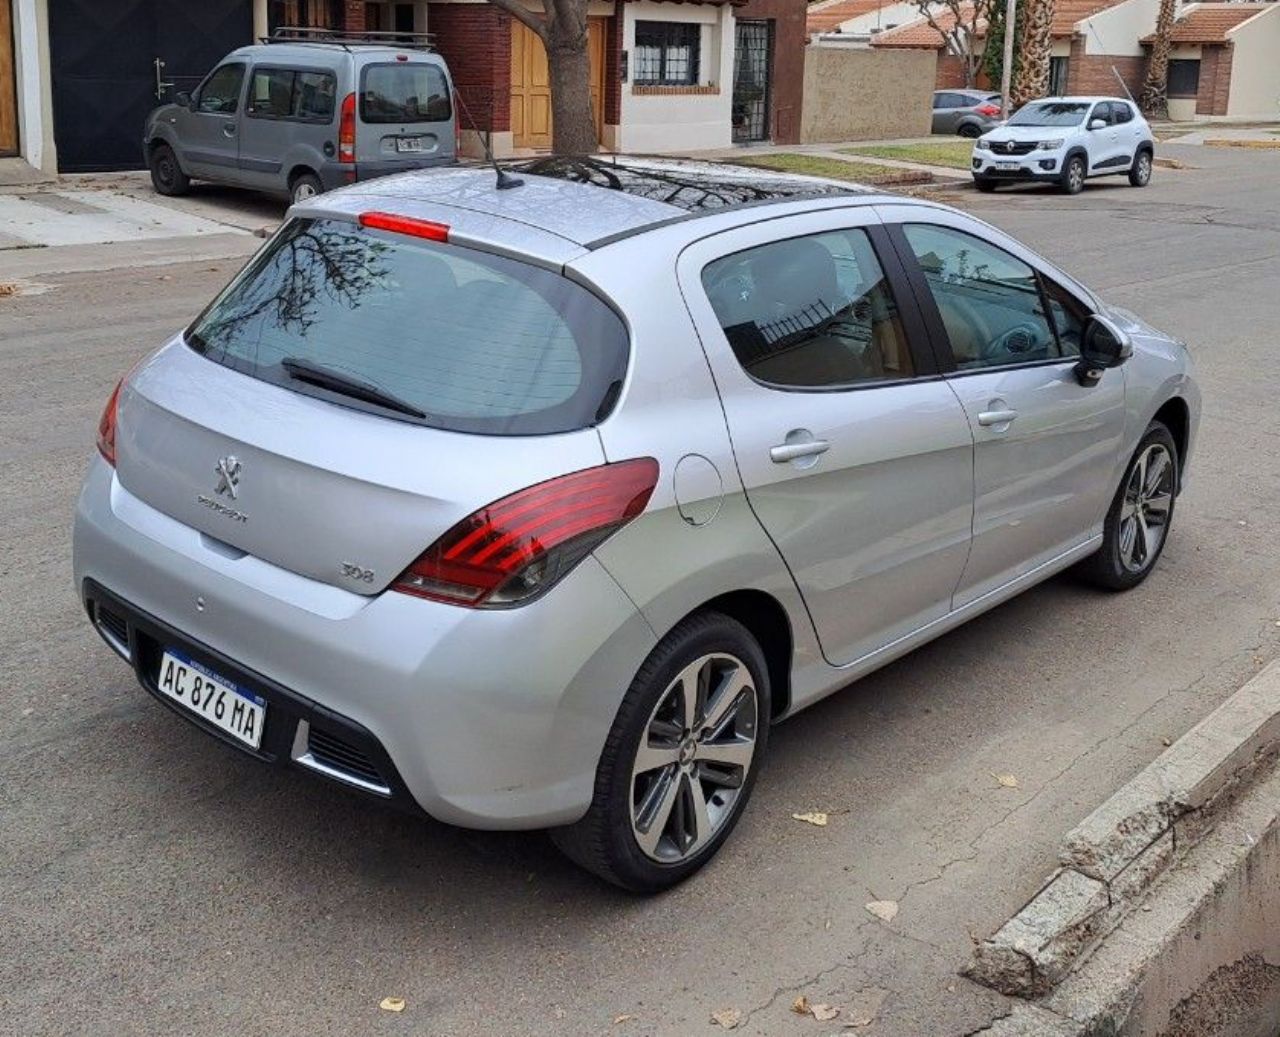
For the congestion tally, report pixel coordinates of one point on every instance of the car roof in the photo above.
(595, 200)
(308, 51)
(1079, 99)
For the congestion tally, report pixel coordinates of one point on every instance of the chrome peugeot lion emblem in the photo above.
(228, 470)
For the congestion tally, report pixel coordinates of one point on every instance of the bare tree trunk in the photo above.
(1035, 48)
(563, 30)
(1155, 89)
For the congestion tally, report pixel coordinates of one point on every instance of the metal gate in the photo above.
(115, 60)
(752, 64)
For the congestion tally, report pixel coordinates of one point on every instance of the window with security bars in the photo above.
(666, 54)
(1184, 77)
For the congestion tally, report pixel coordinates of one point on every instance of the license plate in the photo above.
(408, 144)
(221, 702)
(1006, 167)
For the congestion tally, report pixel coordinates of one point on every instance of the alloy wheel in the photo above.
(304, 191)
(695, 753)
(1075, 175)
(1144, 168)
(1144, 511)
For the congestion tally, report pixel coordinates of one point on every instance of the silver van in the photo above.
(301, 114)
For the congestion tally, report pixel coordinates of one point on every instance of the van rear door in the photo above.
(404, 115)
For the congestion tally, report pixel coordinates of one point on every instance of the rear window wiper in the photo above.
(348, 385)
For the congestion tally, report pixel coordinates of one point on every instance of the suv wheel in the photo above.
(1073, 174)
(984, 184)
(680, 761)
(167, 176)
(1137, 524)
(1140, 174)
(305, 186)
(969, 131)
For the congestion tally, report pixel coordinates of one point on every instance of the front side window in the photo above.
(1101, 111)
(470, 341)
(812, 312)
(667, 53)
(989, 301)
(1050, 113)
(286, 94)
(404, 92)
(220, 94)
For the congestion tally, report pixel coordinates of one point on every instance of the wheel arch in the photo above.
(1175, 415)
(300, 169)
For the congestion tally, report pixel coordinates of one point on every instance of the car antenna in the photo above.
(505, 180)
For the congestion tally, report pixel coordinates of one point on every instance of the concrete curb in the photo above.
(1112, 857)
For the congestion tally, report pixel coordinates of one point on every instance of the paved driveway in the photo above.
(151, 881)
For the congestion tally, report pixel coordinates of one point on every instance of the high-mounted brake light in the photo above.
(347, 130)
(519, 547)
(405, 225)
(107, 426)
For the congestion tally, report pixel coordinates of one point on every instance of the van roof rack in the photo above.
(347, 40)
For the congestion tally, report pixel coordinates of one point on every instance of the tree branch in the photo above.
(523, 15)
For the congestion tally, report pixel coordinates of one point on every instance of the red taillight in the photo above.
(405, 225)
(988, 110)
(520, 546)
(347, 130)
(107, 427)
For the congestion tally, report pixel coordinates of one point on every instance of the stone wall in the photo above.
(854, 94)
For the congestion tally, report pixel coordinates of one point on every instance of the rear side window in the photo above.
(810, 312)
(278, 93)
(479, 343)
(404, 92)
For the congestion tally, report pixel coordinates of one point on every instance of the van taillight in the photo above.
(347, 130)
(519, 547)
(107, 427)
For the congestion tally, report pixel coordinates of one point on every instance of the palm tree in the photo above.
(1155, 89)
(1035, 47)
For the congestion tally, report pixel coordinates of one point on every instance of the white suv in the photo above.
(1064, 140)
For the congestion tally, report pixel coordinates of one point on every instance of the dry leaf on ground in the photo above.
(1007, 781)
(728, 1018)
(800, 1005)
(392, 1004)
(816, 817)
(885, 910)
(618, 1020)
(824, 1013)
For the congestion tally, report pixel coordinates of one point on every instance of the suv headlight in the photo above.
(1051, 145)
(984, 143)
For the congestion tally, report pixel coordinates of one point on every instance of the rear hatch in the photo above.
(405, 112)
(354, 393)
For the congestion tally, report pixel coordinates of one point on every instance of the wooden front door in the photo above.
(8, 83)
(531, 84)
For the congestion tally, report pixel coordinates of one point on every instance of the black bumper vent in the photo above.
(114, 626)
(342, 756)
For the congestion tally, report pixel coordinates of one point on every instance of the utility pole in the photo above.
(1006, 70)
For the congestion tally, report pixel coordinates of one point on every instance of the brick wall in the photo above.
(1091, 74)
(353, 15)
(1215, 80)
(475, 41)
(950, 74)
(786, 78)
(613, 66)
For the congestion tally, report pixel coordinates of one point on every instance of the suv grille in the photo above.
(338, 755)
(1012, 147)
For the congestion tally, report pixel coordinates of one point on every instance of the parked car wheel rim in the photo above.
(165, 167)
(1144, 513)
(694, 757)
(1144, 168)
(304, 190)
(1075, 174)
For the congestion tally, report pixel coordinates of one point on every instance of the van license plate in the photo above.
(404, 144)
(221, 702)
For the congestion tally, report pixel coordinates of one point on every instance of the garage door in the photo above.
(106, 79)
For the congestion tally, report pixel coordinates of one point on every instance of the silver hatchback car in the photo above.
(534, 506)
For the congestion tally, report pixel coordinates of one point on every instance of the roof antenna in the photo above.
(505, 180)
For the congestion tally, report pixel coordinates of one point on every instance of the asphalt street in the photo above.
(153, 881)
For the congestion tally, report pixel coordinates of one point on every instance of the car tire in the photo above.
(1140, 172)
(969, 131)
(1146, 492)
(984, 184)
(304, 187)
(1073, 175)
(650, 827)
(167, 176)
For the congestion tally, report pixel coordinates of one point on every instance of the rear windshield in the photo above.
(404, 92)
(478, 343)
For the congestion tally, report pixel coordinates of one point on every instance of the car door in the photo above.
(944, 111)
(855, 456)
(1128, 130)
(1045, 446)
(1106, 151)
(208, 128)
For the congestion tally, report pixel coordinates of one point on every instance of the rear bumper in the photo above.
(334, 175)
(488, 719)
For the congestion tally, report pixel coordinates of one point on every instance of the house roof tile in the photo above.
(1210, 23)
(1066, 14)
(829, 16)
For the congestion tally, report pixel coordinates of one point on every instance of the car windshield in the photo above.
(426, 332)
(1050, 113)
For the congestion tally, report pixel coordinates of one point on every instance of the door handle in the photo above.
(996, 417)
(785, 452)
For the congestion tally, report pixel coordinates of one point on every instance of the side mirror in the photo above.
(182, 99)
(1097, 124)
(1103, 345)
